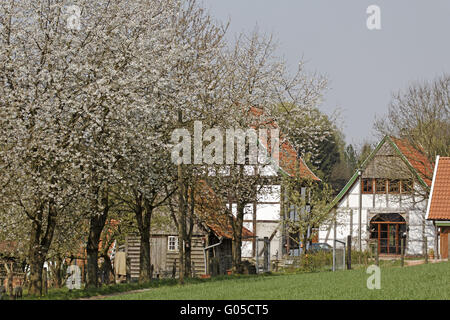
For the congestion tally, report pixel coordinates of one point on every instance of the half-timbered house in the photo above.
(385, 200)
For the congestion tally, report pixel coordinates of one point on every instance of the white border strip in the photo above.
(432, 187)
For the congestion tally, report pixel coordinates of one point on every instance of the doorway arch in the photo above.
(387, 229)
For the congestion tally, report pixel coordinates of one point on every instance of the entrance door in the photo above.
(387, 229)
(445, 242)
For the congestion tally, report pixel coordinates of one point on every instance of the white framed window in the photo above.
(172, 243)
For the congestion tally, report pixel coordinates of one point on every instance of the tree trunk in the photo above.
(237, 239)
(107, 268)
(144, 218)
(188, 234)
(236, 256)
(187, 258)
(97, 223)
(181, 257)
(10, 279)
(58, 273)
(305, 241)
(181, 211)
(36, 268)
(144, 261)
(39, 245)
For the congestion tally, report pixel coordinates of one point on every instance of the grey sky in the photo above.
(364, 67)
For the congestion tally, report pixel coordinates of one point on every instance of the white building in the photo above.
(384, 200)
(264, 217)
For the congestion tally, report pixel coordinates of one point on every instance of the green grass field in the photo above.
(430, 281)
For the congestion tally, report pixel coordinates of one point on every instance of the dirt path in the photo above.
(101, 297)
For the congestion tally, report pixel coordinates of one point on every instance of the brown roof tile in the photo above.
(439, 206)
(416, 158)
(289, 160)
(212, 212)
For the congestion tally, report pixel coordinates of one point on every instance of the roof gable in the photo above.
(415, 158)
(415, 161)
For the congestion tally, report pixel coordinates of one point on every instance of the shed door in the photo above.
(158, 251)
(445, 243)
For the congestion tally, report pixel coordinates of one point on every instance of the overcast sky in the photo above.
(364, 66)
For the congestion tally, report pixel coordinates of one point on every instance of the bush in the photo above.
(361, 257)
(316, 261)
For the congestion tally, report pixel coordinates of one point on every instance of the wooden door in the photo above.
(445, 246)
(158, 252)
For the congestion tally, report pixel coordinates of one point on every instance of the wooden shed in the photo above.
(212, 235)
(210, 243)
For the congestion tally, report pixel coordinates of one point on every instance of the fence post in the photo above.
(334, 255)
(349, 252)
(343, 258)
(425, 250)
(266, 256)
(334, 245)
(377, 261)
(402, 250)
(256, 255)
(436, 243)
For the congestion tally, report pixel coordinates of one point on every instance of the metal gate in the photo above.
(262, 254)
(338, 255)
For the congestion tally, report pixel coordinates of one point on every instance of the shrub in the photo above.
(361, 257)
(316, 261)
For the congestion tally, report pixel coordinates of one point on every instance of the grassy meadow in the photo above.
(431, 281)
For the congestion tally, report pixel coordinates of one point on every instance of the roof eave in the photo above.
(432, 187)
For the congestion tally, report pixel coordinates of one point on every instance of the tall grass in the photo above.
(430, 281)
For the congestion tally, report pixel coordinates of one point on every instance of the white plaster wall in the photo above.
(247, 249)
(380, 201)
(268, 212)
(269, 193)
(265, 229)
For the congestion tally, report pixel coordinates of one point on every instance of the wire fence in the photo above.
(339, 255)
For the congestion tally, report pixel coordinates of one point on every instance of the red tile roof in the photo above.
(289, 160)
(213, 212)
(439, 202)
(416, 158)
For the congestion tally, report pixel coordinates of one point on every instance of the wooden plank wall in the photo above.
(133, 245)
(161, 258)
(196, 257)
